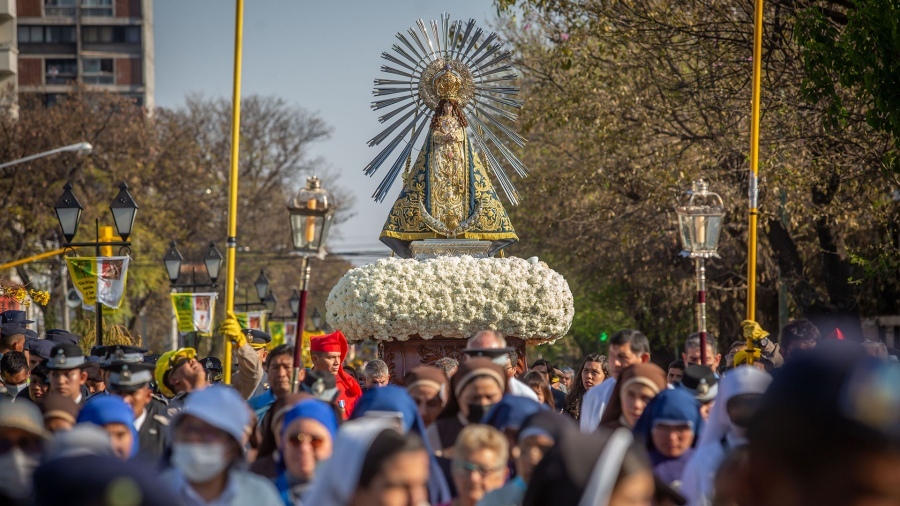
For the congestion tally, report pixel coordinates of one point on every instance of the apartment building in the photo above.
(103, 44)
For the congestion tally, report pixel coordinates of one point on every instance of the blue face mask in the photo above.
(15, 390)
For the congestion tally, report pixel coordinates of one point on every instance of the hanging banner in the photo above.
(99, 279)
(252, 320)
(194, 311)
(276, 330)
(290, 332)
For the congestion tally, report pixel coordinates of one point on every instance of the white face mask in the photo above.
(15, 390)
(199, 462)
(16, 468)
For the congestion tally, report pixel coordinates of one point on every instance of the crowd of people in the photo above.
(801, 420)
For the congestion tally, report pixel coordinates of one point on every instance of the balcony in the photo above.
(59, 11)
(7, 9)
(9, 60)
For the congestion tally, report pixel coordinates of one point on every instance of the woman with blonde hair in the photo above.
(479, 463)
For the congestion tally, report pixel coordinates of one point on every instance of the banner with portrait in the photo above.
(99, 279)
(195, 311)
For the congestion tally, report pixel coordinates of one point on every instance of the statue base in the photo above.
(433, 248)
(402, 356)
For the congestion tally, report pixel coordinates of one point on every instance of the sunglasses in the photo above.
(297, 440)
(471, 467)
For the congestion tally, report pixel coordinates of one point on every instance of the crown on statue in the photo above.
(448, 85)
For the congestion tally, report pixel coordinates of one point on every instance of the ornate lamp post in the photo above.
(700, 214)
(311, 213)
(173, 259)
(68, 212)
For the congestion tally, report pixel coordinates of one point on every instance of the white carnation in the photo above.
(451, 297)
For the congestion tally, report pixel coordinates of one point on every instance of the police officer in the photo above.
(67, 373)
(259, 341)
(213, 367)
(129, 377)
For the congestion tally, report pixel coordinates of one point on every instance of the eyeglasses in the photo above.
(297, 440)
(471, 467)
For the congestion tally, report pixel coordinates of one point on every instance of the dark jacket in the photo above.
(153, 434)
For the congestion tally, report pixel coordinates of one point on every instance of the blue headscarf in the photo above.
(312, 409)
(396, 399)
(511, 412)
(670, 405)
(103, 410)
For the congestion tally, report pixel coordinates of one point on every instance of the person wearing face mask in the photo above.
(22, 438)
(306, 441)
(739, 393)
(476, 387)
(14, 373)
(208, 438)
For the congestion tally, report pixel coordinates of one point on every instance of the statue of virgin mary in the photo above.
(447, 192)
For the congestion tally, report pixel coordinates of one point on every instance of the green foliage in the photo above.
(176, 164)
(852, 56)
(627, 102)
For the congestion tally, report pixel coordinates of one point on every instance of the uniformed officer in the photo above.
(259, 341)
(67, 373)
(129, 377)
(213, 368)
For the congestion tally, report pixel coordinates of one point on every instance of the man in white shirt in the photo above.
(491, 344)
(626, 348)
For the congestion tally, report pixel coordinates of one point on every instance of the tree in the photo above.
(627, 102)
(176, 163)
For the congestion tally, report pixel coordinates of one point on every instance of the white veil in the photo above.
(336, 481)
(744, 379)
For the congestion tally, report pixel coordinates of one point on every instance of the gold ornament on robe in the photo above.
(447, 192)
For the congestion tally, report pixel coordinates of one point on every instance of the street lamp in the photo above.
(700, 215)
(68, 212)
(262, 285)
(173, 260)
(213, 262)
(270, 302)
(123, 210)
(294, 302)
(316, 319)
(311, 211)
(80, 149)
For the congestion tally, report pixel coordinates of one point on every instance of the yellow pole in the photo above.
(754, 161)
(231, 243)
(35, 258)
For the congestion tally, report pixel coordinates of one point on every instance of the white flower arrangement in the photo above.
(451, 296)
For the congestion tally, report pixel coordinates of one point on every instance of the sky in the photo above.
(319, 54)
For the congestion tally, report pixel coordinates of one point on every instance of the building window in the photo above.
(46, 34)
(98, 71)
(111, 34)
(60, 71)
(99, 8)
(59, 8)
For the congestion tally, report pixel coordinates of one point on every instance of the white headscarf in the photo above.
(603, 478)
(336, 481)
(741, 380)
